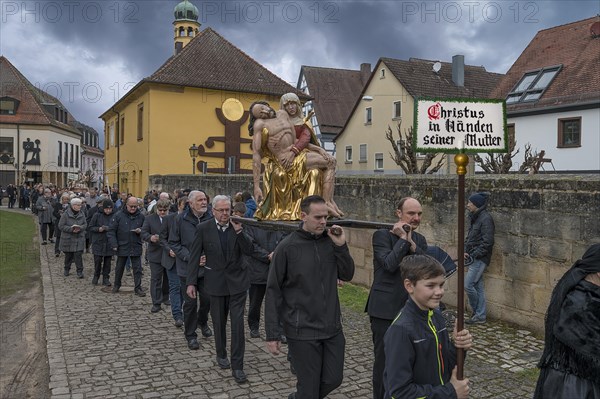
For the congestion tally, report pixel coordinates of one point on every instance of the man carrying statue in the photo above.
(296, 165)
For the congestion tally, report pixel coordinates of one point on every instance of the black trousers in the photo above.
(194, 315)
(44, 227)
(233, 305)
(319, 365)
(58, 233)
(156, 282)
(11, 202)
(136, 264)
(102, 265)
(71, 257)
(378, 328)
(257, 294)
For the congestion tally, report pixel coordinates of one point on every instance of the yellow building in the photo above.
(199, 96)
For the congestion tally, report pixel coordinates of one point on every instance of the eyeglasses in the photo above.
(132, 206)
(162, 209)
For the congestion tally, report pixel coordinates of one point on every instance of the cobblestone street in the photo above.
(104, 345)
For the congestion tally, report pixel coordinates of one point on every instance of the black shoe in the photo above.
(106, 282)
(66, 272)
(115, 289)
(44, 242)
(57, 254)
(139, 292)
(166, 302)
(239, 376)
(223, 363)
(155, 308)
(206, 331)
(283, 339)
(95, 280)
(79, 274)
(254, 333)
(292, 395)
(178, 323)
(193, 344)
(52, 241)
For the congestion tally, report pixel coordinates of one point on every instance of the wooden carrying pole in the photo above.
(461, 160)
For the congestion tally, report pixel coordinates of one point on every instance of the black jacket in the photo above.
(302, 287)
(480, 237)
(388, 295)
(263, 242)
(225, 273)
(120, 236)
(100, 244)
(419, 356)
(181, 238)
(167, 260)
(152, 225)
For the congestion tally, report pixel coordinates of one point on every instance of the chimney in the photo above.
(365, 72)
(458, 70)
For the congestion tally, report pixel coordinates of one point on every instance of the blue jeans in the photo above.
(174, 293)
(474, 288)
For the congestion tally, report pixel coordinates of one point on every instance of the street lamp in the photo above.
(193, 153)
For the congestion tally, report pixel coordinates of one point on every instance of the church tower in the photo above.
(186, 24)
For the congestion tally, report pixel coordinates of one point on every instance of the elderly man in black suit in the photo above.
(223, 242)
(181, 237)
(388, 294)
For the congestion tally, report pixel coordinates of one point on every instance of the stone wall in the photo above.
(543, 224)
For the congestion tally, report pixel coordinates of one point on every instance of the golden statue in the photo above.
(296, 165)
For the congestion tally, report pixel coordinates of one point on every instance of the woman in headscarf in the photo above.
(570, 364)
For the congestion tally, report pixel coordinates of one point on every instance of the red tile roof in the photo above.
(210, 61)
(571, 45)
(32, 109)
(334, 91)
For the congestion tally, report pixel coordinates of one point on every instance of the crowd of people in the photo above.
(204, 263)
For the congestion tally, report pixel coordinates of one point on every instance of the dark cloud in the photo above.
(114, 44)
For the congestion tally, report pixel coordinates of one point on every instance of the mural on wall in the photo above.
(31, 148)
(232, 115)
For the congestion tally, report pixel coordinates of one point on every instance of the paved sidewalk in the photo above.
(104, 345)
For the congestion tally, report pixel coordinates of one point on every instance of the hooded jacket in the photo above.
(302, 287)
(100, 244)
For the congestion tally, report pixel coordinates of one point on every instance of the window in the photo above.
(122, 132)
(7, 145)
(120, 138)
(60, 153)
(76, 156)
(71, 157)
(569, 132)
(378, 161)
(532, 85)
(362, 157)
(382, 73)
(8, 106)
(140, 126)
(397, 110)
(66, 162)
(368, 115)
(349, 154)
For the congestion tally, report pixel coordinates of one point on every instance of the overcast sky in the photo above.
(89, 53)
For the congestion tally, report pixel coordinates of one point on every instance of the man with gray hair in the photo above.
(72, 225)
(217, 248)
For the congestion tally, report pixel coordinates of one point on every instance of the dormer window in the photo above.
(8, 106)
(532, 85)
(382, 73)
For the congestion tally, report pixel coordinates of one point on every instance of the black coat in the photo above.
(152, 225)
(263, 243)
(120, 236)
(480, 237)
(388, 295)
(181, 237)
(100, 243)
(167, 260)
(225, 272)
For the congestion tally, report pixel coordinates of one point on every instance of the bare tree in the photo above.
(502, 163)
(406, 158)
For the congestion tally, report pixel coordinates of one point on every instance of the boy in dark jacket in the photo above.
(420, 360)
(101, 248)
